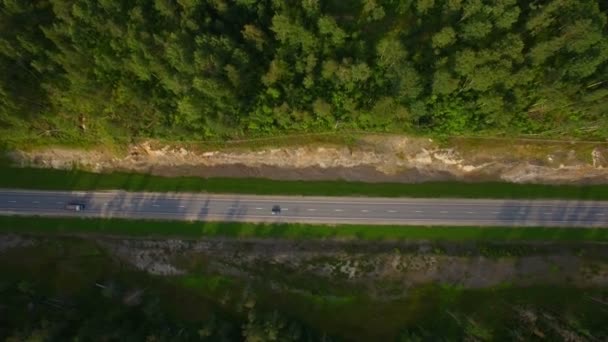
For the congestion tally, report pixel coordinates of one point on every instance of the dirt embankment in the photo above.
(369, 158)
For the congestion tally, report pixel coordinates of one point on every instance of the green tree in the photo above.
(443, 38)
(423, 6)
(391, 53)
(255, 35)
(444, 83)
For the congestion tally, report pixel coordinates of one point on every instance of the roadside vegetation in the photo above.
(86, 72)
(160, 228)
(49, 179)
(64, 288)
(71, 289)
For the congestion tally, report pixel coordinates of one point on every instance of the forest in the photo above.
(103, 70)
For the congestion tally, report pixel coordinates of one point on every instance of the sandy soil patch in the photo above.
(370, 159)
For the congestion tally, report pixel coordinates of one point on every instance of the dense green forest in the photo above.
(91, 70)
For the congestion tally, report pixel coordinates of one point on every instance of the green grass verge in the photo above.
(47, 225)
(47, 179)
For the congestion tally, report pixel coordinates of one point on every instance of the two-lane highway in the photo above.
(329, 210)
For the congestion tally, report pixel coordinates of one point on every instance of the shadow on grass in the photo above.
(48, 179)
(118, 226)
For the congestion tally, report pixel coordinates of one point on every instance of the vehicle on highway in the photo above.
(276, 210)
(75, 206)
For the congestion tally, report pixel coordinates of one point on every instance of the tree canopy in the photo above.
(195, 69)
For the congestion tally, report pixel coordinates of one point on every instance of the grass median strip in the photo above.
(48, 179)
(152, 228)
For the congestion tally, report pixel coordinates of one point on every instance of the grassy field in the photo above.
(47, 179)
(289, 231)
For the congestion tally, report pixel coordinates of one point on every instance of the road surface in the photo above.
(329, 210)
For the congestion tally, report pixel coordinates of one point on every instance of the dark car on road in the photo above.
(276, 210)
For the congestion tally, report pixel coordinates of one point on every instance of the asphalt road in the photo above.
(331, 210)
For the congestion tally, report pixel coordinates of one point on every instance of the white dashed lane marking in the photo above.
(364, 210)
(35, 202)
(338, 210)
(310, 209)
(419, 211)
(470, 212)
(391, 211)
(443, 212)
(12, 201)
(182, 206)
(259, 208)
(155, 205)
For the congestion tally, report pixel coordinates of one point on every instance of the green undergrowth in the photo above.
(79, 289)
(187, 229)
(441, 313)
(47, 179)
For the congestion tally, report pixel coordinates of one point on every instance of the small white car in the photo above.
(73, 206)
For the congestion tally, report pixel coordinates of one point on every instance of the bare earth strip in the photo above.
(368, 158)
